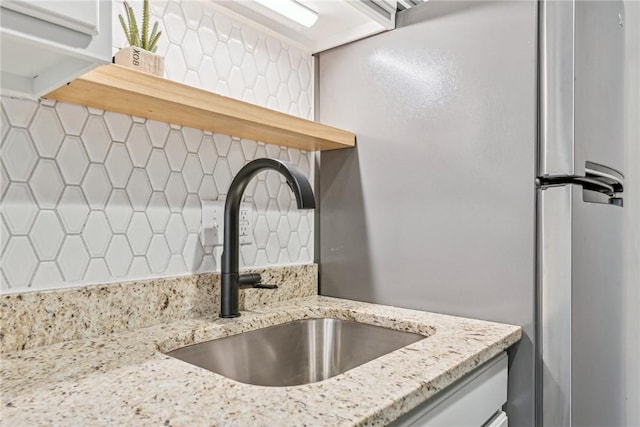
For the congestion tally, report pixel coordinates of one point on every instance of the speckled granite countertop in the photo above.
(124, 378)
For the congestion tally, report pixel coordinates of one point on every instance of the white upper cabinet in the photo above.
(47, 43)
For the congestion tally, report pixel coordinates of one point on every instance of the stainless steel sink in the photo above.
(294, 353)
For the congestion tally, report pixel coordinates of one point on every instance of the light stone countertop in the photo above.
(124, 378)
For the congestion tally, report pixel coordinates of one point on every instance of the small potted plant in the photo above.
(140, 54)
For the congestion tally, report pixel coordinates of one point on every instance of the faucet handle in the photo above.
(253, 280)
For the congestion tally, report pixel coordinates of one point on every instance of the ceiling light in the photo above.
(291, 9)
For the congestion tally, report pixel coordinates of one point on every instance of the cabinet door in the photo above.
(82, 16)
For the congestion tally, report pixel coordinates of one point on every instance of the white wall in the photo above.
(89, 196)
(632, 211)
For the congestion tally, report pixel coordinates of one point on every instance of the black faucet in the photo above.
(232, 281)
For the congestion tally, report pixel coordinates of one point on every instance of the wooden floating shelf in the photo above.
(127, 91)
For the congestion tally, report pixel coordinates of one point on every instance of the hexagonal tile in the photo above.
(261, 56)
(192, 12)
(223, 26)
(119, 256)
(193, 253)
(46, 235)
(72, 160)
(236, 83)
(97, 272)
(272, 79)
(72, 117)
(284, 232)
(158, 254)
(222, 176)
(261, 91)
(139, 233)
(73, 209)
(19, 157)
(249, 148)
(47, 276)
(139, 145)
(284, 67)
(176, 151)
(96, 186)
(222, 88)
(261, 196)
(19, 262)
(273, 47)
(249, 37)
(73, 259)
(293, 246)
(97, 234)
(158, 132)
(273, 215)
(249, 70)
(207, 154)
(118, 125)
(174, 23)
(176, 265)
(273, 247)
(191, 78)
(19, 111)
(192, 173)
(236, 47)
(222, 61)
(304, 230)
(295, 57)
(118, 165)
(222, 143)
(19, 208)
(46, 184)
(176, 192)
(119, 211)
(139, 268)
(158, 170)
(207, 74)
(261, 232)
(192, 138)
(192, 213)
(191, 50)
(139, 189)
(47, 132)
(208, 190)
(175, 66)
(284, 100)
(96, 139)
(284, 198)
(207, 35)
(158, 212)
(304, 73)
(176, 233)
(235, 158)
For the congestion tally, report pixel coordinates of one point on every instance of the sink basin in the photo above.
(295, 353)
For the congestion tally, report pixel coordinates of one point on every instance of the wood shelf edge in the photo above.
(123, 90)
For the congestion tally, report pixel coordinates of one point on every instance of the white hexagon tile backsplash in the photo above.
(89, 196)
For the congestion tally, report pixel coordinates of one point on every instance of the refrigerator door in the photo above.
(581, 309)
(435, 207)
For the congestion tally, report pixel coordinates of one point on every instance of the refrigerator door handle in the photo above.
(587, 183)
(599, 186)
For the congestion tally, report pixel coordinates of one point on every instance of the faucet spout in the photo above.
(303, 193)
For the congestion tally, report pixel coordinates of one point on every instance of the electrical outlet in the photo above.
(212, 229)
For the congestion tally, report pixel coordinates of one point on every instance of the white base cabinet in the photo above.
(474, 401)
(46, 43)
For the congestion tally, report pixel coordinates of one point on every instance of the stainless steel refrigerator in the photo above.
(486, 182)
